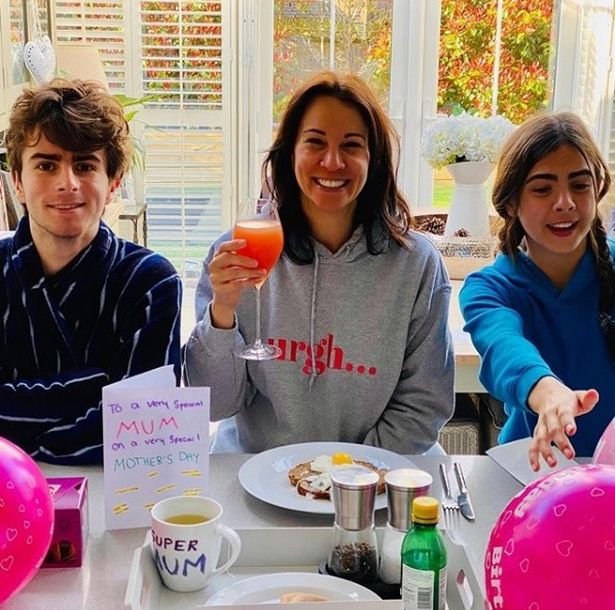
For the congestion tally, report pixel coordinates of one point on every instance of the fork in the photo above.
(450, 509)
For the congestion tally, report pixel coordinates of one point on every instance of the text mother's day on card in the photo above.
(156, 443)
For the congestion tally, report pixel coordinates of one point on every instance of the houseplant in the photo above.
(132, 106)
(467, 146)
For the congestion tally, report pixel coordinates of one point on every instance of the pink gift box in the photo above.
(70, 530)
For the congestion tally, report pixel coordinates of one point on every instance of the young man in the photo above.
(80, 308)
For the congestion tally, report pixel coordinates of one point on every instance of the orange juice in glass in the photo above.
(265, 241)
(259, 224)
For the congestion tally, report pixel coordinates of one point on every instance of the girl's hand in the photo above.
(556, 406)
(230, 274)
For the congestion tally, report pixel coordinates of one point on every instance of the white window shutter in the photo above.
(102, 24)
(180, 50)
(186, 133)
(584, 76)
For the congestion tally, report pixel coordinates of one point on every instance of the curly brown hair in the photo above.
(526, 146)
(381, 207)
(78, 116)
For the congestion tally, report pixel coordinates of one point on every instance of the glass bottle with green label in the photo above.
(423, 559)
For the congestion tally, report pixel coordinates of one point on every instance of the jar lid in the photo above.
(425, 509)
(408, 478)
(403, 485)
(353, 490)
(354, 477)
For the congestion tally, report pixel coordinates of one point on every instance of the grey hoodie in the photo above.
(381, 371)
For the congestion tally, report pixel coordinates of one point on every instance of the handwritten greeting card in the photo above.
(156, 444)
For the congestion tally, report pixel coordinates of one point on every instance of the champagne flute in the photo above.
(259, 224)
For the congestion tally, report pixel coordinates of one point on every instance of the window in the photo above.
(348, 36)
(103, 24)
(494, 58)
(584, 77)
(223, 70)
(551, 61)
(181, 49)
(392, 44)
(177, 52)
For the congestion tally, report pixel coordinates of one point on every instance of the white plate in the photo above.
(268, 588)
(265, 475)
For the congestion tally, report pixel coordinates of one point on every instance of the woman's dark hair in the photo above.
(78, 116)
(381, 208)
(526, 146)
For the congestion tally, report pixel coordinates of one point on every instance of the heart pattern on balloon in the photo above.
(564, 547)
(40, 59)
(24, 535)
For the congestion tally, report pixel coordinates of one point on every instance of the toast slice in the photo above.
(318, 485)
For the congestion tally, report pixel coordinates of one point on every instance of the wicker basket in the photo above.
(461, 437)
(462, 255)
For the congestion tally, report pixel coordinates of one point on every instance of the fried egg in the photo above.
(327, 463)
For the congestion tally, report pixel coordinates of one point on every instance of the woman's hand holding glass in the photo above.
(230, 275)
(243, 262)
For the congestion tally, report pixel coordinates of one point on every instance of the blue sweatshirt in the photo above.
(525, 328)
(112, 312)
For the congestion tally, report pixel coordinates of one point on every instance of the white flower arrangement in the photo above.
(464, 137)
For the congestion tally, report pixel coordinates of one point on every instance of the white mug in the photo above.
(186, 540)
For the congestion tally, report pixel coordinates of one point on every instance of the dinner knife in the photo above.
(465, 504)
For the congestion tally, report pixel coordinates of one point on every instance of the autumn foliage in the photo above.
(467, 56)
(467, 50)
(302, 43)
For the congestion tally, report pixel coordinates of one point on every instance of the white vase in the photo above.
(469, 206)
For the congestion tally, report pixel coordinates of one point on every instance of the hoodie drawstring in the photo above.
(313, 373)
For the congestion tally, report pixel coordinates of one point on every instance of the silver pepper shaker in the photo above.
(354, 547)
(403, 485)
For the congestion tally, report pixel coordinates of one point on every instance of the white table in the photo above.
(101, 582)
(467, 360)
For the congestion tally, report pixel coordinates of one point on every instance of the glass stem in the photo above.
(258, 341)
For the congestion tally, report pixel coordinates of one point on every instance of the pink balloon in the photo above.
(26, 518)
(553, 546)
(605, 449)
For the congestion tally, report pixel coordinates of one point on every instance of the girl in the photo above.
(542, 315)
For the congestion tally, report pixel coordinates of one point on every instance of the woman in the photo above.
(542, 315)
(357, 302)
